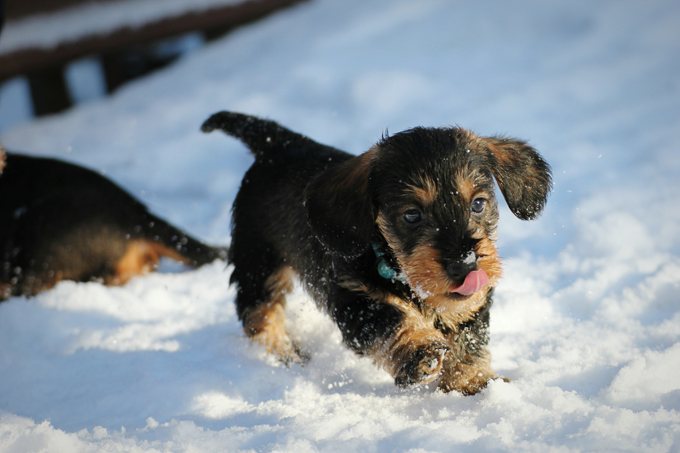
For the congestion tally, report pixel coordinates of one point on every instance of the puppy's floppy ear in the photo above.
(524, 178)
(340, 208)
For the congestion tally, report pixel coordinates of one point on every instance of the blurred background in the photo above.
(60, 53)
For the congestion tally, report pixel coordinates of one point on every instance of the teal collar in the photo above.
(384, 269)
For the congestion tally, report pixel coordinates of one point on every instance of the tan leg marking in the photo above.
(266, 324)
(468, 378)
(5, 291)
(414, 354)
(140, 258)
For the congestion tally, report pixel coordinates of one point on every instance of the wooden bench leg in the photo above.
(49, 91)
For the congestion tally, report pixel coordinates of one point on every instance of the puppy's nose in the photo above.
(458, 270)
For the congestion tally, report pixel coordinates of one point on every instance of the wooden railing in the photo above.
(44, 67)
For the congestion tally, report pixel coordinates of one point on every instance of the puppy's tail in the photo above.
(261, 136)
(174, 243)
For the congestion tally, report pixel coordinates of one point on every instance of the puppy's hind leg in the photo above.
(265, 324)
(260, 303)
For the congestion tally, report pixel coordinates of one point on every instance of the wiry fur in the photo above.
(320, 212)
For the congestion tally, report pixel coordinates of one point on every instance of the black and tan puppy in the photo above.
(59, 221)
(397, 244)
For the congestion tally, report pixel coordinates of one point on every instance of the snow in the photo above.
(15, 104)
(85, 80)
(586, 320)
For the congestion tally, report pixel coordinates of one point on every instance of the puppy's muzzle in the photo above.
(467, 277)
(457, 270)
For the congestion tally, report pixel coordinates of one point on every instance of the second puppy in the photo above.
(60, 221)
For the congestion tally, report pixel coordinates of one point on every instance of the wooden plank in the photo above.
(28, 60)
(17, 9)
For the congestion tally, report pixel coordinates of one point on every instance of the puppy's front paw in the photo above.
(280, 344)
(422, 366)
(469, 377)
(295, 355)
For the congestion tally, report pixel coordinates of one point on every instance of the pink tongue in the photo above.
(474, 281)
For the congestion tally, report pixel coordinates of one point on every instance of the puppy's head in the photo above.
(428, 195)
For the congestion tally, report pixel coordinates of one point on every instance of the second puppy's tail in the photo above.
(261, 136)
(178, 245)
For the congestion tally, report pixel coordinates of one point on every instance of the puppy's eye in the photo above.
(478, 205)
(413, 216)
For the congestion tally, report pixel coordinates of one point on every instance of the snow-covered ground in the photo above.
(586, 321)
